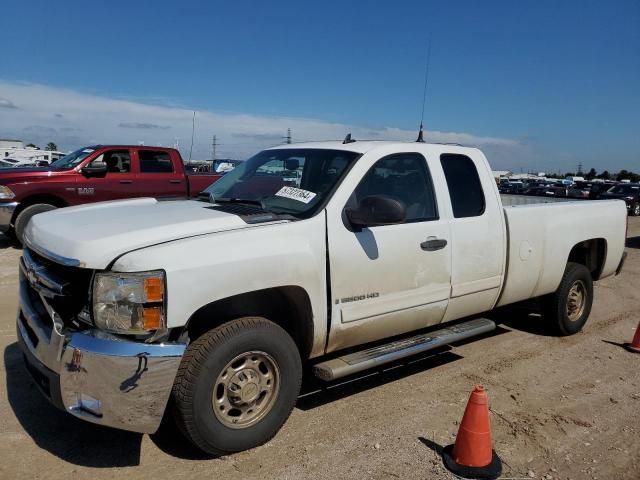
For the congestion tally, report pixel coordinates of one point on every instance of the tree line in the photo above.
(50, 146)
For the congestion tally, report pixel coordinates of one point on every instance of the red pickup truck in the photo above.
(94, 174)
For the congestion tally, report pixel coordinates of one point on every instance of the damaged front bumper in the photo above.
(94, 376)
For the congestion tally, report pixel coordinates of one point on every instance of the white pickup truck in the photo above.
(339, 255)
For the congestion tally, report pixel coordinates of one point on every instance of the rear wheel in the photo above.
(236, 385)
(568, 308)
(635, 210)
(25, 215)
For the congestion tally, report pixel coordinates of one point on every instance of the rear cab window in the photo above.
(463, 182)
(155, 161)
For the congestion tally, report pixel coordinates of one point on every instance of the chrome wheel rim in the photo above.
(246, 389)
(576, 300)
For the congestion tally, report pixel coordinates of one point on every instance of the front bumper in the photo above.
(6, 214)
(92, 375)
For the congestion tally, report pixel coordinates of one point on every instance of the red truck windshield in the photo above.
(71, 160)
(293, 181)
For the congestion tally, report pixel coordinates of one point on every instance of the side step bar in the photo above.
(375, 356)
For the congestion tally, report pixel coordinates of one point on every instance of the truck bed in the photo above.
(514, 200)
(534, 225)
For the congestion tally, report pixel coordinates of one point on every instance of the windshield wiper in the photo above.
(239, 200)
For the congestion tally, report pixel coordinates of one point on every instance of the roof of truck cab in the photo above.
(365, 146)
(96, 147)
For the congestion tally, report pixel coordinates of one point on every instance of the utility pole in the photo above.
(214, 144)
(579, 172)
(288, 137)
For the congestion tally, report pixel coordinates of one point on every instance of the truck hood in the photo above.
(93, 235)
(23, 174)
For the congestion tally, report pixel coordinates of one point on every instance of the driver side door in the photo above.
(390, 279)
(117, 182)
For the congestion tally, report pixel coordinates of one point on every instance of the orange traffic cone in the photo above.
(634, 346)
(472, 456)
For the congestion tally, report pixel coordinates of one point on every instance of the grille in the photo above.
(65, 288)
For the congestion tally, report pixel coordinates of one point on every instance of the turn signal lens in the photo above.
(153, 289)
(152, 318)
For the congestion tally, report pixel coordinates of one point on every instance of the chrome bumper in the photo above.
(95, 376)
(6, 214)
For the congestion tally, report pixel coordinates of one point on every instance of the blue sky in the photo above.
(557, 80)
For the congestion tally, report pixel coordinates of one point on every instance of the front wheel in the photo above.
(635, 210)
(237, 385)
(568, 308)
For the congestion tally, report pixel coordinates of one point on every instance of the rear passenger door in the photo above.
(157, 176)
(477, 234)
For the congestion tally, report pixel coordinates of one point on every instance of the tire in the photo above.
(635, 210)
(208, 380)
(568, 308)
(25, 215)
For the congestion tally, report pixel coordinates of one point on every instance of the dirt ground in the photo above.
(561, 408)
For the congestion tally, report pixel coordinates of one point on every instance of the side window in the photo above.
(154, 162)
(117, 161)
(404, 177)
(465, 191)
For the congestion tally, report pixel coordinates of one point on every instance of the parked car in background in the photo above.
(94, 174)
(598, 188)
(511, 187)
(629, 192)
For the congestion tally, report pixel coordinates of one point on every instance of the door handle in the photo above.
(175, 181)
(432, 244)
(126, 181)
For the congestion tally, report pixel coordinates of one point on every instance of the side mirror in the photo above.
(95, 170)
(376, 210)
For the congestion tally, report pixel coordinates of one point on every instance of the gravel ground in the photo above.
(561, 408)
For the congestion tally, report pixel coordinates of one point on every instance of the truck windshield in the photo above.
(71, 160)
(288, 181)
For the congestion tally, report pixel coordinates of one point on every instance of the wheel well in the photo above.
(40, 198)
(288, 306)
(590, 253)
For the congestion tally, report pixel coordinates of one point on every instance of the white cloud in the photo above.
(72, 119)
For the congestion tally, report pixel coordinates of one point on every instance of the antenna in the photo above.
(193, 128)
(348, 139)
(424, 91)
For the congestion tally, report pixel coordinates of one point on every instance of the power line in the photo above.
(214, 145)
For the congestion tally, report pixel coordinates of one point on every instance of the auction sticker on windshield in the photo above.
(304, 196)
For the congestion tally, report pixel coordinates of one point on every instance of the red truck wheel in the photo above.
(25, 215)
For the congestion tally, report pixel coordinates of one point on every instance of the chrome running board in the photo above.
(375, 356)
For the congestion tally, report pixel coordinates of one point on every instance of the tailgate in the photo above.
(197, 182)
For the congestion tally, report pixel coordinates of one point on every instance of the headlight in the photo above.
(129, 303)
(6, 193)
